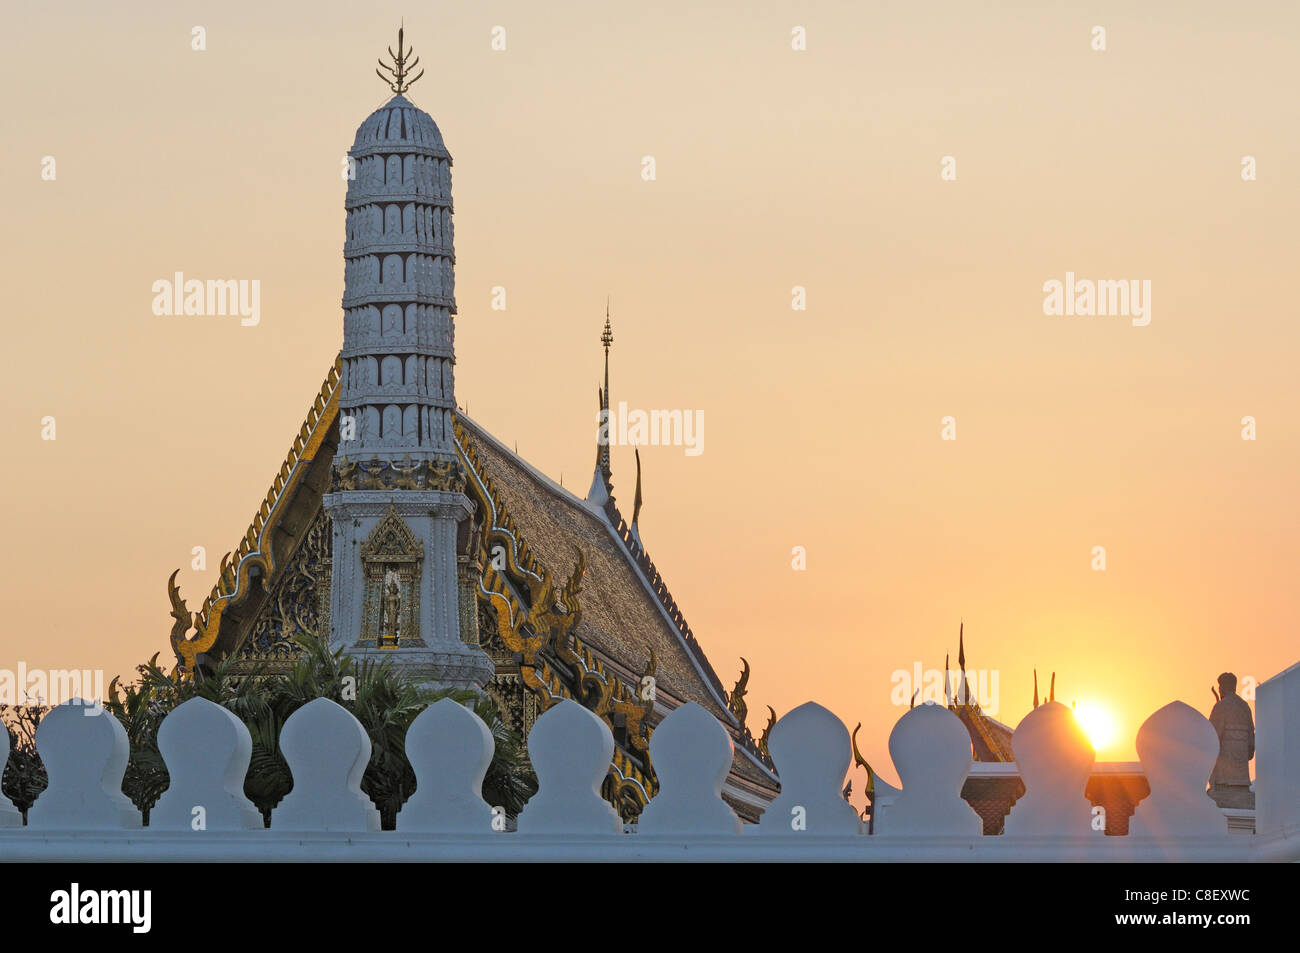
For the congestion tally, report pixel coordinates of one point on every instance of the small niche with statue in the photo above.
(391, 557)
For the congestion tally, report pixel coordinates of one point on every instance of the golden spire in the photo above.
(401, 68)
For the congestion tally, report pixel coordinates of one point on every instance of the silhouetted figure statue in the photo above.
(1230, 779)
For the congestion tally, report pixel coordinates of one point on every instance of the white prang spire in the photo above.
(403, 545)
(399, 297)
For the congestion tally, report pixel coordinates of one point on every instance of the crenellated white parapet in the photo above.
(1178, 747)
(450, 749)
(327, 751)
(207, 750)
(85, 752)
(570, 749)
(1055, 760)
(83, 815)
(811, 750)
(931, 752)
(692, 753)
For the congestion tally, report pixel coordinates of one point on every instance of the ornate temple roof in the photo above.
(554, 595)
(623, 620)
(990, 739)
(628, 614)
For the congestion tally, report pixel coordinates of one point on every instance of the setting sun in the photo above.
(1098, 724)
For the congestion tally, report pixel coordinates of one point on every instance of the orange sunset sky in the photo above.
(775, 168)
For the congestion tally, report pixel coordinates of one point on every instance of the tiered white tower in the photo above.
(397, 497)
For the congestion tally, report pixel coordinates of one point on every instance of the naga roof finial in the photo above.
(636, 503)
(737, 700)
(767, 733)
(868, 813)
(862, 763)
(401, 67)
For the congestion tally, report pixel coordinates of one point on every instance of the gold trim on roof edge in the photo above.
(253, 550)
(547, 624)
(978, 719)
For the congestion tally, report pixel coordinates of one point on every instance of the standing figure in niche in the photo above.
(388, 624)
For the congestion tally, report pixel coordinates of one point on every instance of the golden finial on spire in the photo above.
(607, 336)
(401, 68)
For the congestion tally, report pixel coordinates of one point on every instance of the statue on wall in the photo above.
(391, 557)
(1232, 720)
(392, 610)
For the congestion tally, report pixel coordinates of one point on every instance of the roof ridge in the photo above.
(659, 586)
(656, 583)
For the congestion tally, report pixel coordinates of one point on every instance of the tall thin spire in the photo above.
(396, 496)
(602, 481)
(606, 338)
(961, 661)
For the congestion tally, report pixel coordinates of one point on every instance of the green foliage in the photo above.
(383, 700)
(24, 775)
(510, 780)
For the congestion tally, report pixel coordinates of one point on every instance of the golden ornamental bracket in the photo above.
(737, 701)
(187, 650)
(862, 763)
(767, 733)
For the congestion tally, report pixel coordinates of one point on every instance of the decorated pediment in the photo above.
(392, 540)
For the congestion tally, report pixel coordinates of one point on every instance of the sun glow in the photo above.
(1097, 723)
